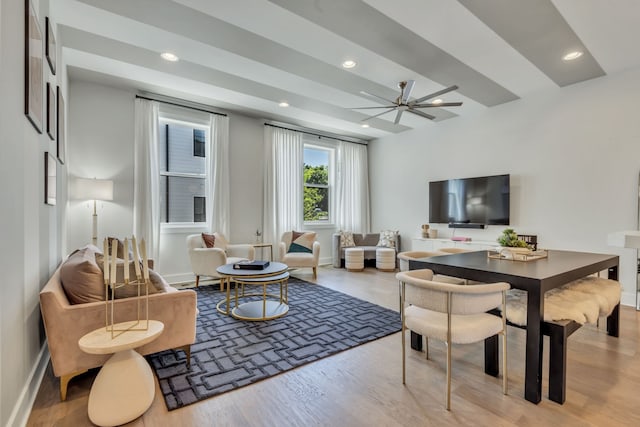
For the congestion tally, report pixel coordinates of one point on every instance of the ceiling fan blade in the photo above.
(420, 113)
(369, 108)
(434, 94)
(397, 120)
(406, 92)
(442, 104)
(377, 97)
(384, 112)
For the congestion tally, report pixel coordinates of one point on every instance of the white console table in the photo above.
(429, 245)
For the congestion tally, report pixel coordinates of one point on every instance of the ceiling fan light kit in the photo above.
(404, 103)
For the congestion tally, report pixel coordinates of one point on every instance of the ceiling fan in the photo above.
(402, 102)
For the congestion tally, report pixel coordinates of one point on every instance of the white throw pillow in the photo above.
(346, 239)
(387, 239)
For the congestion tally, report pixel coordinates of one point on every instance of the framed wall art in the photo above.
(60, 137)
(51, 112)
(50, 46)
(33, 79)
(50, 166)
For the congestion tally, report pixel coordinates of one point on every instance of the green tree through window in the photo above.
(316, 185)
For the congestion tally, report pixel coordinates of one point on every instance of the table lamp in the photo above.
(94, 189)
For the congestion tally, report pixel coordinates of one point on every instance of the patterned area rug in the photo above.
(230, 353)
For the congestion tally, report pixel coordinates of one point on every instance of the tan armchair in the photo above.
(300, 259)
(205, 261)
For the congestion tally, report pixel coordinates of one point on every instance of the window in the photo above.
(199, 209)
(317, 195)
(182, 171)
(198, 143)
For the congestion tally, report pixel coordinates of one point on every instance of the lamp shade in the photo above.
(624, 239)
(93, 189)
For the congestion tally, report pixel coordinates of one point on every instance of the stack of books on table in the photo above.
(251, 265)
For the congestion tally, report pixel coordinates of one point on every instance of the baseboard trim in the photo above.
(179, 278)
(22, 409)
(628, 298)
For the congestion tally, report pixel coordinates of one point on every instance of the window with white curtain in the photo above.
(318, 183)
(183, 171)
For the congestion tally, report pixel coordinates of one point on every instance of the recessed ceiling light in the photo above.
(437, 101)
(169, 56)
(283, 104)
(349, 64)
(572, 55)
(365, 125)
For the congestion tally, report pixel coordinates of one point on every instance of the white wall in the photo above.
(31, 245)
(101, 130)
(573, 155)
(101, 133)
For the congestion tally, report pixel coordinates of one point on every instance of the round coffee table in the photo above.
(270, 307)
(124, 388)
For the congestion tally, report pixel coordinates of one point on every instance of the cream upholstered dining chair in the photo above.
(300, 250)
(454, 314)
(205, 260)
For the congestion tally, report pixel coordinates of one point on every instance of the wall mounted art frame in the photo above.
(61, 136)
(50, 166)
(51, 112)
(50, 46)
(33, 73)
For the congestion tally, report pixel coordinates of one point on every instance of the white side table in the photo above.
(124, 388)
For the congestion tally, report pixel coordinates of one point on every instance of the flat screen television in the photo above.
(470, 202)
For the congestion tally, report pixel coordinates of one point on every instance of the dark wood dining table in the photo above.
(536, 277)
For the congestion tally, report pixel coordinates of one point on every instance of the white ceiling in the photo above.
(249, 55)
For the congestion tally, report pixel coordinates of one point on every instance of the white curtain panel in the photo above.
(217, 187)
(284, 157)
(352, 188)
(146, 191)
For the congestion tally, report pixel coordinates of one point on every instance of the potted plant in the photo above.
(509, 239)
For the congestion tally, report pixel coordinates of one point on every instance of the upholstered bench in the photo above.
(566, 309)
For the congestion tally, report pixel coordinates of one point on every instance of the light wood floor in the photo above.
(363, 387)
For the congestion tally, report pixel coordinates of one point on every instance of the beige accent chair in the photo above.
(453, 314)
(299, 259)
(205, 261)
(405, 257)
(454, 250)
(66, 323)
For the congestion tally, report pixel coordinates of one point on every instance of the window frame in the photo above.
(195, 123)
(331, 149)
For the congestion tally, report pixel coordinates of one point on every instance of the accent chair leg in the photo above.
(187, 351)
(64, 382)
(197, 281)
(315, 272)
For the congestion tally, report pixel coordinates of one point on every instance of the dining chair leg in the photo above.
(504, 362)
(449, 304)
(197, 281)
(404, 330)
(504, 342)
(448, 401)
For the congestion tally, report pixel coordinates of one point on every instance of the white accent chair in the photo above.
(299, 259)
(205, 261)
(451, 313)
